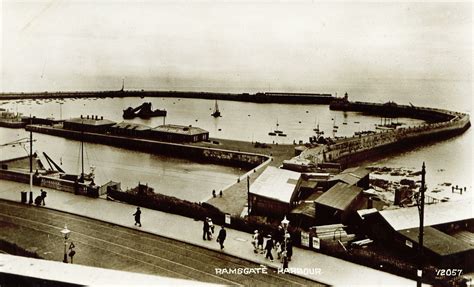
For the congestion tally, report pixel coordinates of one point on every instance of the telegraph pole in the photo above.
(31, 164)
(421, 211)
(248, 195)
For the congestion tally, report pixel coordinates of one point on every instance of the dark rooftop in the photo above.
(437, 241)
(351, 175)
(339, 196)
(307, 207)
(131, 126)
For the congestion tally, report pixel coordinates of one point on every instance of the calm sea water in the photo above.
(171, 176)
(447, 161)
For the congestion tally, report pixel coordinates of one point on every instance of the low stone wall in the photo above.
(14, 176)
(51, 182)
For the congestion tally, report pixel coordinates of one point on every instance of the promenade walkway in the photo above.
(333, 271)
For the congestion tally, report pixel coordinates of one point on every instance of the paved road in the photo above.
(108, 246)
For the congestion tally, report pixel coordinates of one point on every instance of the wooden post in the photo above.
(248, 195)
(421, 210)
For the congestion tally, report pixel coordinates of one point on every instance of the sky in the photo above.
(309, 46)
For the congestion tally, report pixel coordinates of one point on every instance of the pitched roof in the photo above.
(437, 241)
(307, 207)
(351, 175)
(178, 129)
(131, 126)
(340, 196)
(90, 121)
(275, 183)
(435, 214)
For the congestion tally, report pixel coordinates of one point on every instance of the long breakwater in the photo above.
(264, 97)
(441, 124)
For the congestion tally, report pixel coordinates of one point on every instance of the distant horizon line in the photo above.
(162, 91)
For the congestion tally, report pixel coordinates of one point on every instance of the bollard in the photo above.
(24, 197)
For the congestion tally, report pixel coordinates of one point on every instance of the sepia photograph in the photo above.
(250, 143)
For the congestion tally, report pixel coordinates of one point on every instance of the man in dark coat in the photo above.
(43, 195)
(221, 237)
(260, 241)
(289, 248)
(137, 215)
(205, 229)
(269, 247)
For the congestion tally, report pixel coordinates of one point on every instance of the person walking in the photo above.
(260, 241)
(72, 252)
(221, 237)
(255, 241)
(137, 215)
(211, 228)
(279, 249)
(289, 248)
(269, 247)
(285, 260)
(279, 233)
(205, 229)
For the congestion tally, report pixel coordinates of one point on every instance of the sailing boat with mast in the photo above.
(317, 129)
(277, 132)
(216, 112)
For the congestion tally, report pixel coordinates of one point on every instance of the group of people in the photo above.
(214, 193)
(280, 242)
(208, 231)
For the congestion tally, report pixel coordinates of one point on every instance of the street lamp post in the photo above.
(65, 232)
(285, 222)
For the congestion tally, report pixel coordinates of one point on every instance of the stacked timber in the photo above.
(333, 232)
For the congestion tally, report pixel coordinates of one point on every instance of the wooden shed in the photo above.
(337, 204)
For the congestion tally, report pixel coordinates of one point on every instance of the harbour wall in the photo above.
(349, 151)
(199, 154)
(50, 182)
(283, 98)
(393, 110)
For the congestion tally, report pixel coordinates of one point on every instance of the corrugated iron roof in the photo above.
(131, 126)
(440, 213)
(339, 196)
(305, 208)
(351, 175)
(178, 129)
(275, 183)
(91, 121)
(437, 241)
